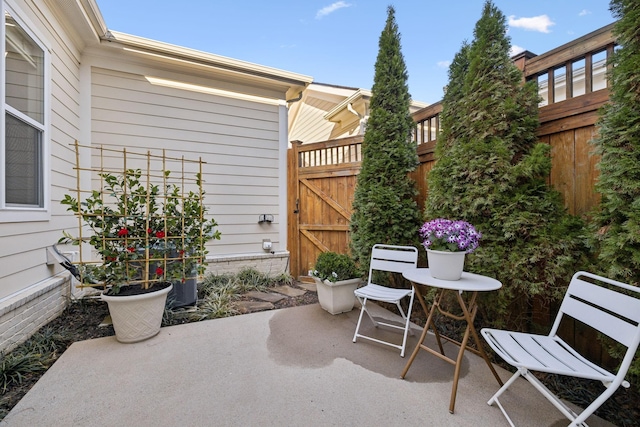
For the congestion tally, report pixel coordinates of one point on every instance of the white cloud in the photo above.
(331, 8)
(584, 12)
(515, 49)
(443, 64)
(537, 23)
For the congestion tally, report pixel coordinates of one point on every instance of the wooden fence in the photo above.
(322, 180)
(572, 84)
(322, 175)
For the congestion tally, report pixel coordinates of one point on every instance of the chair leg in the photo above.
(407, 330)
(566, 411)
(580, 419)
(363, 309)
(494, 398)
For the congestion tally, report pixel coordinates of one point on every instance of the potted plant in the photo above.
(146, 241)
(447, 242)
(337, 277)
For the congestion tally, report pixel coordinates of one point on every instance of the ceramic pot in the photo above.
(337, 297)
(445, 265)
(137, 317)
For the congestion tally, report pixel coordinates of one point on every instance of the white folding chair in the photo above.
(395, 259)
(613, 310)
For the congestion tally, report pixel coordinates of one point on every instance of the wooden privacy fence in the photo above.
(321, 181)
(572, 84)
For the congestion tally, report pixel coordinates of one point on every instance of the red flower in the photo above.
(159, 271)
(149, 231)
(131, 249)
(160, 234)
(123, 232)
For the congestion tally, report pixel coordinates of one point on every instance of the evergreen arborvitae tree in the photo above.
(454, 93)
(618, 142)
(491, 172)
(384, 208)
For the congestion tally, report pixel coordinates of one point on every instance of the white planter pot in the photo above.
(137, 317)
(337, 297)
(445, 265)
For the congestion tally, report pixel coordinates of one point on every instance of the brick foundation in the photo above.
(23, 314)
(267, 263)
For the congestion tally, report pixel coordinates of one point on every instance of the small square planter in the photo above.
(337, 297)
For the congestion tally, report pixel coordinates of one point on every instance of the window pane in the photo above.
(543, 89)
(418, 133)
(24, 62)
(578, 78)
(23, 163)
(433, 128)
(559, 84)
(599, 67)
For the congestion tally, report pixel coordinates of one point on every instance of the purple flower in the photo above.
(449, 235)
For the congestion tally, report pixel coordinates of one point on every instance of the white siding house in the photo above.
(66, 79)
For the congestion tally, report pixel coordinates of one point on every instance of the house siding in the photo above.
(32, 292)
(103, 93)
(238, 140)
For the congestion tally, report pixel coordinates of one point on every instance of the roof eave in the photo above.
(194, 57)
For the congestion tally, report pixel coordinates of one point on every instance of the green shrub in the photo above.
(334, 267)
(384, 206)
(492, 172)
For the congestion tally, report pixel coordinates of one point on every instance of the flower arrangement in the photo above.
(142, 235)
(449, 235)
(334, 267)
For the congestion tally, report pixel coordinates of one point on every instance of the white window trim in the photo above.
(18, 213)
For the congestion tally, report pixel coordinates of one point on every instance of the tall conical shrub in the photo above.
(384, 209)
(618, 221)
(491, 172)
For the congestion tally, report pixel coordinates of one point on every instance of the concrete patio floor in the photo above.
(290, 367)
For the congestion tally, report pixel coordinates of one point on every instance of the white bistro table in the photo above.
(469, 282)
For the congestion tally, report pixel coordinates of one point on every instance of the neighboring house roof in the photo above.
(329, 112)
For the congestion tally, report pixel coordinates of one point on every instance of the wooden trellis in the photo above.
(163, 215)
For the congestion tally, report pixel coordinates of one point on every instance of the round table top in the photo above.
(468, 281)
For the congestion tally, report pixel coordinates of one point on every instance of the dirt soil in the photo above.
(81, 322)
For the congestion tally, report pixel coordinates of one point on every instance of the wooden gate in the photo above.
(321, 180)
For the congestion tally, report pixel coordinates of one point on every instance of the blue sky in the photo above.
(336, 42)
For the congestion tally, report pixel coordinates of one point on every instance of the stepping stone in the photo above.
(311, 287)
(264, 296)
(245, 307)
(289, 291)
